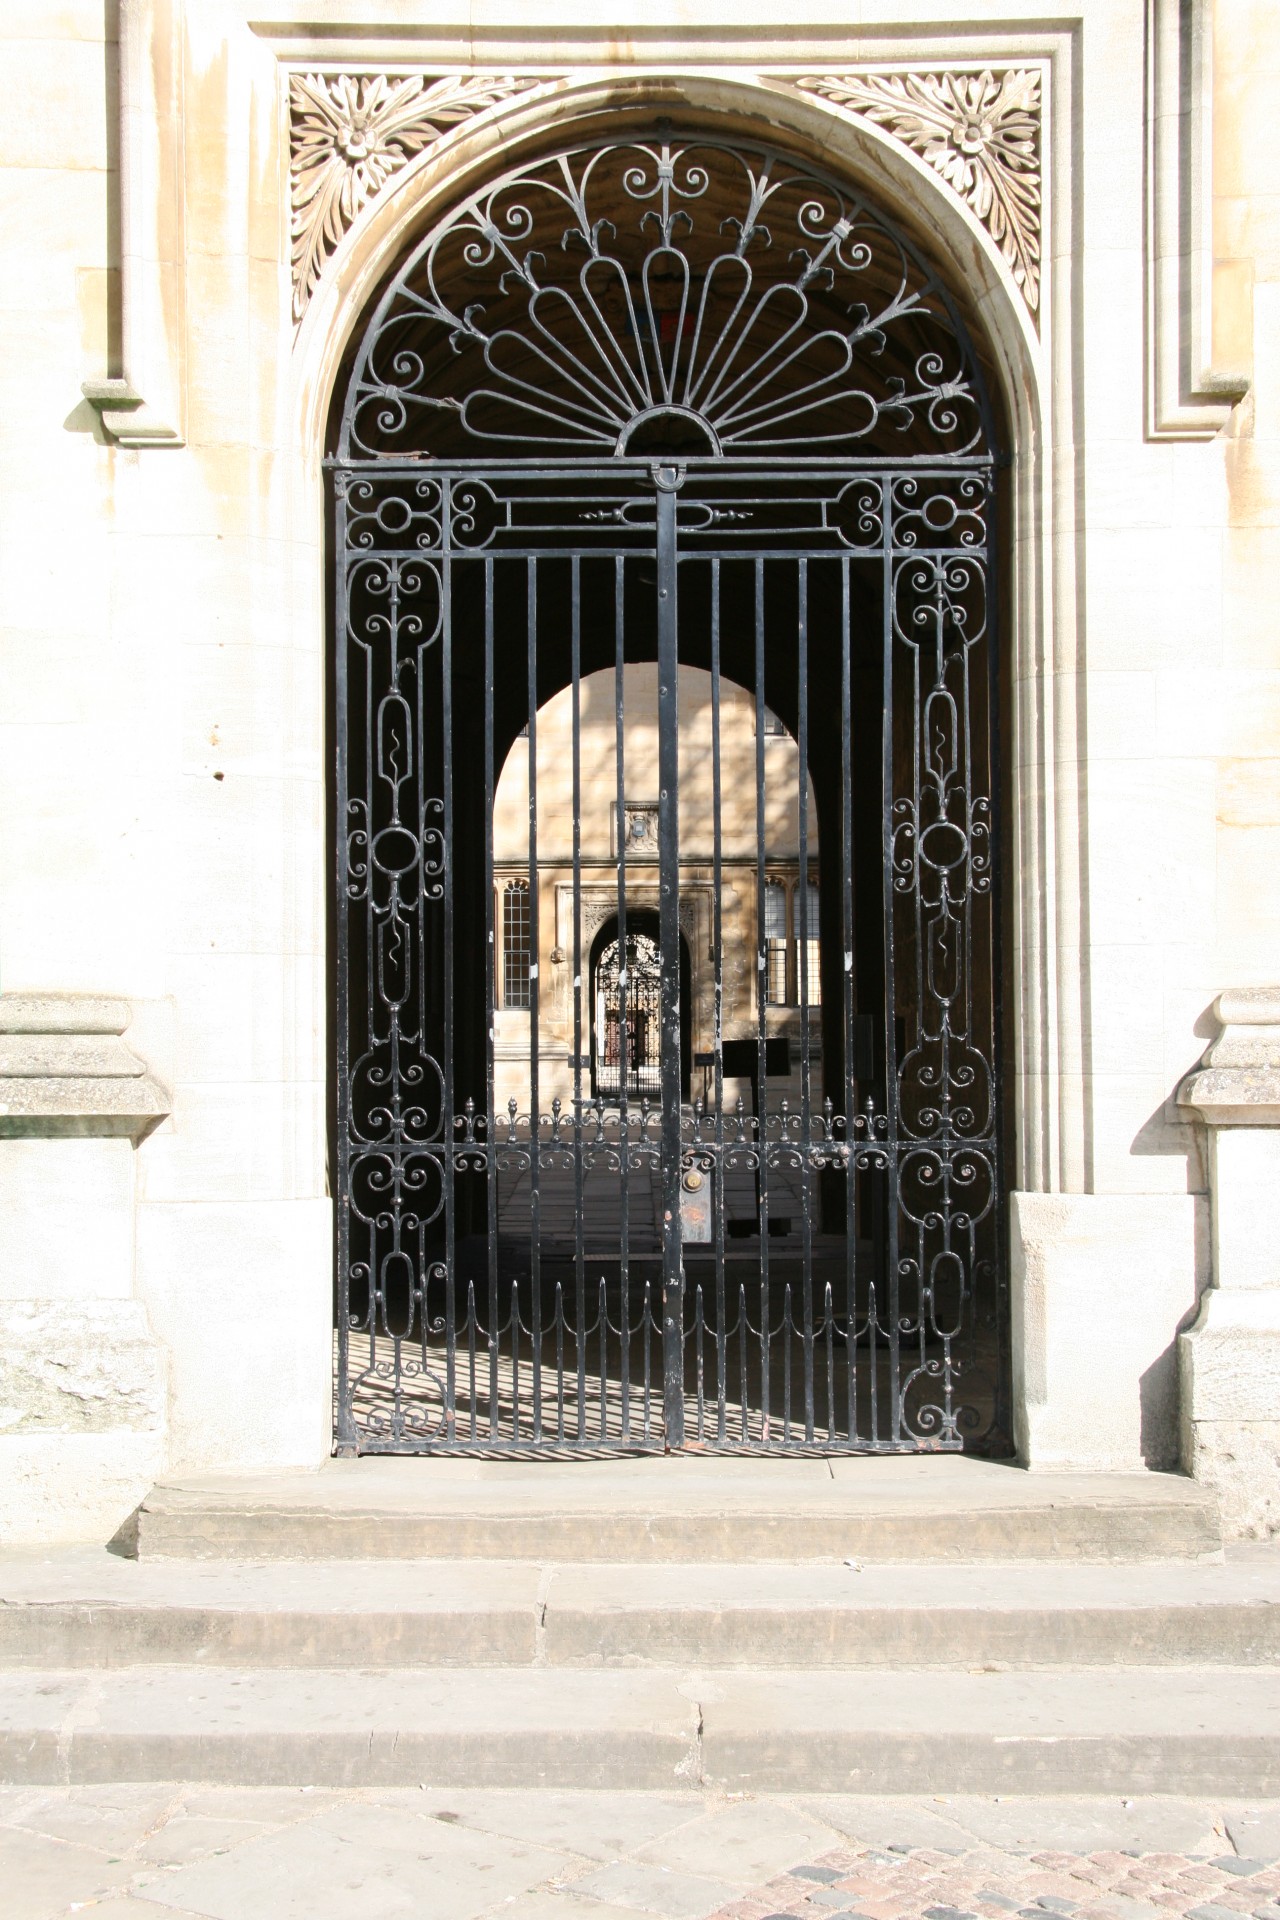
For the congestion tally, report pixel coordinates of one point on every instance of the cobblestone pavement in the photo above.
(162, 1852)
(990, 1883)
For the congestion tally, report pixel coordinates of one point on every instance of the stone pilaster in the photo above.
(1229, 1361)
(83, 1379)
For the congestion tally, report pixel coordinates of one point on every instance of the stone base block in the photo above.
(1229, 1374)
(242, 1296)
(83, 1402)
(60, 1488)
(1100, 1284)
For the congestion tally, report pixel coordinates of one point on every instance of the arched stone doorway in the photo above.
(693, 407)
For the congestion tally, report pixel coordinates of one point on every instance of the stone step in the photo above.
(918, 1509)
(92, 1609)
(1121, 1730)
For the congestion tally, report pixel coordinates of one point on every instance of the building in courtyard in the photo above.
(641, 698)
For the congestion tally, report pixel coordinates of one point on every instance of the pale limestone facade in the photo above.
(163, 627)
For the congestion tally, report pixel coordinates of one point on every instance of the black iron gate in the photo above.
(698, 676)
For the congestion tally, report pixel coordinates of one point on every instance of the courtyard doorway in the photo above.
(667, 1109)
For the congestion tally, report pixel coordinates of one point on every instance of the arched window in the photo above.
(516, 953)
(808, 946)
(775, 943)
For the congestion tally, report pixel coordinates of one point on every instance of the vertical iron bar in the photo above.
(717, 1038)
(846, 926)
(535, 950)
(624, 1044)
(762, 989)
(450, 1091)
(491, 1112)
(802, 754)
(890, 1277)
(579, 1254)
(346, 1426)
(666, 480)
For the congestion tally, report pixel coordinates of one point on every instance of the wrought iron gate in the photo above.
(776, 1226)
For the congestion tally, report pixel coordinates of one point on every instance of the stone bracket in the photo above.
(125, 417)
(65, 1070)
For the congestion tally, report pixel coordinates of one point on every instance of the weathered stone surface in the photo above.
(78, 1367)
(1240, 1461)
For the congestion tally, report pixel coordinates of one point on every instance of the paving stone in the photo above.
(745, 1842)
(266, 1806)
(189, 1837)
(1211, 1911)
(1087, 1824)
(40, 1877)
(595, 1824)
(1233, 1863)
(660, 1890)
(565, 1903)
(134, 1907)
(1254, 1829)
(111, 1818)
(358, 1862)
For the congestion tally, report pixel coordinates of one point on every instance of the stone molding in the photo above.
(1189, 395)
(349, 134)
(1237, 1084)
(352, 133)
(65, 1070)
(980, 133)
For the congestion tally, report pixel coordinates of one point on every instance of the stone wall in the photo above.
(162, 620)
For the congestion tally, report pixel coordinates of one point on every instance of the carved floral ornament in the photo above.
(352, 133)
(979, 131)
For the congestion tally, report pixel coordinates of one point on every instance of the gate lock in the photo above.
(695, 1206)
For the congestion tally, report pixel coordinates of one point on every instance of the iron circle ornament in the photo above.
(618, 298)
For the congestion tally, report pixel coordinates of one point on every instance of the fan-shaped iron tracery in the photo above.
(577, 295)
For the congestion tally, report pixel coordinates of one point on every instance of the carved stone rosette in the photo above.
(980, 132)
(349, 134)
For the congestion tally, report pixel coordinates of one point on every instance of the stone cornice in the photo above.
(1237, 1084)
(64, 1069)
(350, 134)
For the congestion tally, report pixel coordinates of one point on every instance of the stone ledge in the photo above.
(1237, 1084)
(65, 1070)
